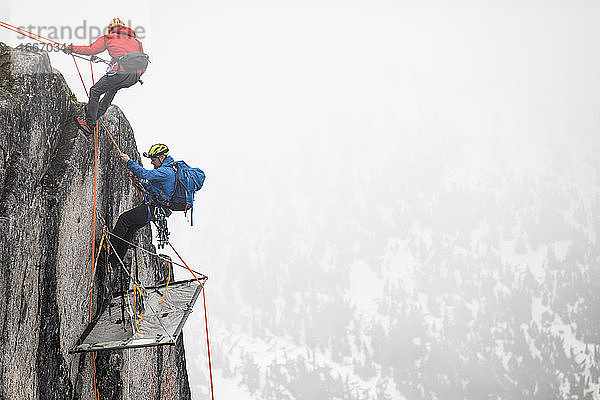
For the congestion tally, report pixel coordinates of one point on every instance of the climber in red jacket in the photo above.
(128, 64)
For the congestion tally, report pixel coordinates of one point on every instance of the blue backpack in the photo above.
(188, 180)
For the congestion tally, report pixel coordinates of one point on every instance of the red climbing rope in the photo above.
(92, 72)
(81, 77)
(212, 394)
(184, 263)
(28, 34)
(48, 42)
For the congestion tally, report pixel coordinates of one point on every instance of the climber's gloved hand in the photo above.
(67, 49)
(124, 157)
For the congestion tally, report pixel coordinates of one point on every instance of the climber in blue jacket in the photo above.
(159, 182)
(159, 185)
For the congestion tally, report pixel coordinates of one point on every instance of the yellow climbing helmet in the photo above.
(114, 23)
(156, 150)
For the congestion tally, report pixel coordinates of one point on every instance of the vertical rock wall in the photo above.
(46, 196)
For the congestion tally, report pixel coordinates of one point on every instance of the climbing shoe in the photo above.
(84, 126)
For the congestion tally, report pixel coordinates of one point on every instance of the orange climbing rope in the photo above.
(94, 245)
(93, 268)
(168, 280)
(94, 371)
(136, 288)
(94, 210)
(111, 138)
(119, 150)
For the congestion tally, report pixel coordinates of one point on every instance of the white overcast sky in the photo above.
(267, 87)
(229, 74)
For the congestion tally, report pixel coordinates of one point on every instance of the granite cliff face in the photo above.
(46, 197)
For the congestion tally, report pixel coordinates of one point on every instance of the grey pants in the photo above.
(107, 85)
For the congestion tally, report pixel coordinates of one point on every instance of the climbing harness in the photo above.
(158, 212)
(132, 61)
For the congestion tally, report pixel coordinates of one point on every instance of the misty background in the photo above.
(402, 197)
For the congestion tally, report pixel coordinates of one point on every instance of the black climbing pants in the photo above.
(128, 223)
(107, 85)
